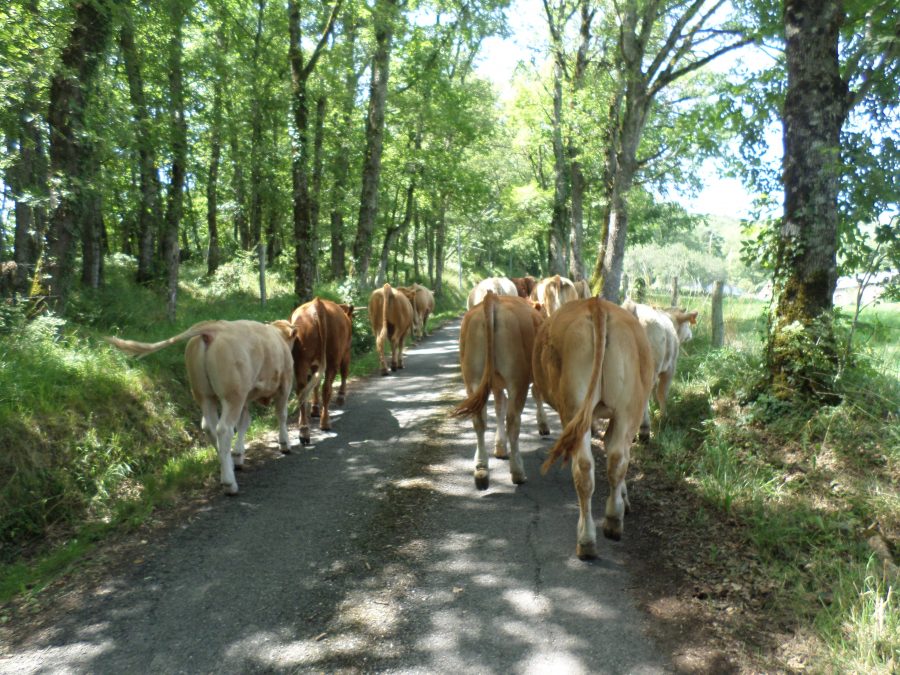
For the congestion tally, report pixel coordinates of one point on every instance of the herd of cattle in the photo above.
(587, 358)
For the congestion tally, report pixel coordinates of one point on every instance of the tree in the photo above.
(70, 155)
(658, 43)
(817, 103)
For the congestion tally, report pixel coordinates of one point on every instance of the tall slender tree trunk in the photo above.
(148, 224)
(385, 11)
(178, 130)
(440, 238)
(256, 137)
(69, 155)
(576, 175)
(393, 233)
(212, 182)
(318, 168)
(805, 267)
(559, 222)
(304, 235)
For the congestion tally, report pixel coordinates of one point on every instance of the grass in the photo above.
(804, 487)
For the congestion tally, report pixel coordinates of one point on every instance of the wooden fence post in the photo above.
(674, 291)
(716, 316)
(624, 285)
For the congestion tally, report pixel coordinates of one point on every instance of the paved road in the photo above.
(369, 551)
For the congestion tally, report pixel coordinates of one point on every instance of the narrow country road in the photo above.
(368, 551)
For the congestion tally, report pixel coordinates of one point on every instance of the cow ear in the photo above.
(692, 317)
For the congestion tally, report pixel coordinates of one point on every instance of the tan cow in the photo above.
(422, 300)
(667, 330)
(592, 359)
(391, 316)
(495, 345)
(230, 364)
(498, 285)
(553, 292)
(323, 332)
(583, 289)
(524, 285)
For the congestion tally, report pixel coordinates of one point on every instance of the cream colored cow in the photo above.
(498, 285)
(230, 364)
(592, 359)
(391, 317)
(553, 292)
(422, 301)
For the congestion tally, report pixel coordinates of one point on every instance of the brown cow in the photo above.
(553, 292)
(592, 359)
(391, 316)
(323, 332)
(231, 363)
(498, 285)
(422, 301)
(667, 330)
(524, 285)
(495, 345)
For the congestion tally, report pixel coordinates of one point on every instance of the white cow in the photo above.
(497, 285)
(667, 329)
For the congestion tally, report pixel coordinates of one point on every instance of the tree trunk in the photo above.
(178, 129)
(805, 267)
(371, 173)
(148, 200)
(440, 236)
(241, 231)
(69, 155)
(576, 175)
(256, 137)
(213, 256)
(304, 235)
(393, 233)
(318, 168)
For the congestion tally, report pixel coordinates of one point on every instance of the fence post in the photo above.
(716, 316)
(674, 291)
(624, 285)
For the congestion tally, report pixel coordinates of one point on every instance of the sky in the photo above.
(721, 195)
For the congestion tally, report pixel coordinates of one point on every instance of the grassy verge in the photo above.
(810, 495)
(93, 442)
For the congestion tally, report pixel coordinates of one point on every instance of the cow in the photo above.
(322, 329)
(553, 292)
(524, 285)
(592, 359)
(230, 364)
(582, 289)
(391, 316)
(498, 285)
(495, 345)
(422, 300)
(667, 330)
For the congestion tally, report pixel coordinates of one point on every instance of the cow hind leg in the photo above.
(345, 372)
(281, 411)
(304, 422)
(617, 441)
(513, 425)
(243, 424)
(327, 385)
(543, 427)
(583, 477)
(501, 442)
(315, 411)
(479, 421)
(644, 433)
(231, 415)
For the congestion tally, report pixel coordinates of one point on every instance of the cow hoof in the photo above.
(644, 436)
(286, 450)
(544, 432)
(482, 480)
(325, 427)
(385, 371)
(238, 467)
(586, 551)
(612, 529)
(501, 453)
(230, 489)
(339, 400)
(393, 368)
(304, 441)
(314, 412)
(518, 478)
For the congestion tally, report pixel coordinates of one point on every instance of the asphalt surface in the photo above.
(369, 551)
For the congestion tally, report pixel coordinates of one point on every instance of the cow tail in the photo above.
(208, 329)
(475, 403)
(581, 422)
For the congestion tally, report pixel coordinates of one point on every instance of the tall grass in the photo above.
(807, 486)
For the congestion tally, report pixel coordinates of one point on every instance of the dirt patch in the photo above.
(706, 597)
